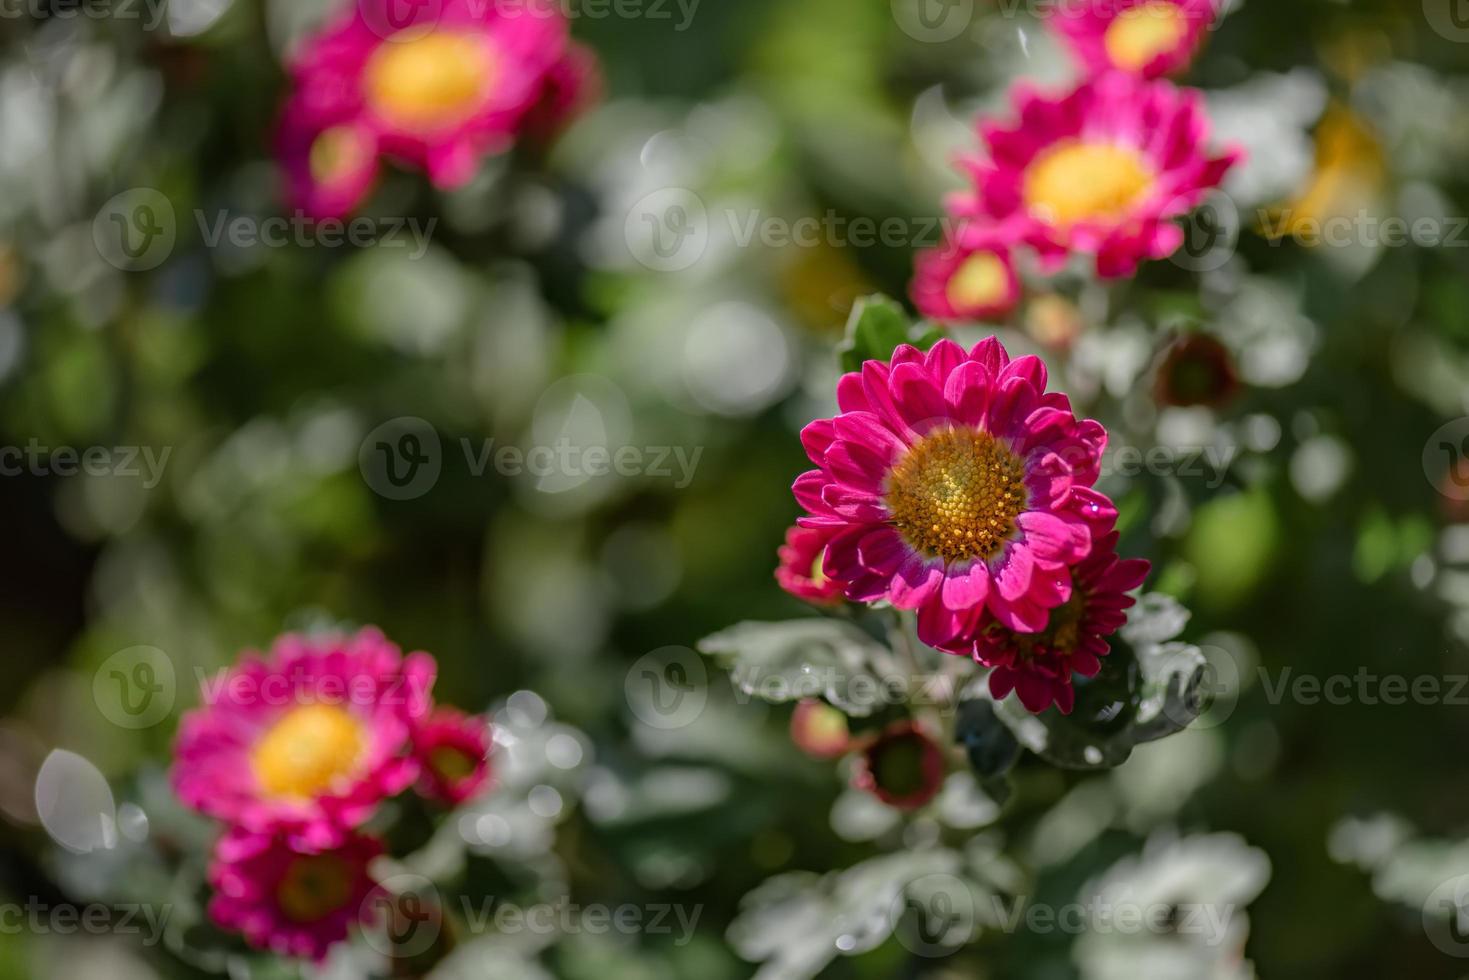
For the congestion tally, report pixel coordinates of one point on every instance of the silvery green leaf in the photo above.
(1155, 619)
(802, 658)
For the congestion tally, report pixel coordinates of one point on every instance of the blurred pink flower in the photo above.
(290, 901)
(969, 277)
(902, 766)
(453, 751)
(1101, 171)
(1145, 37)
(309, 739)
(442, 88)
(799, 571)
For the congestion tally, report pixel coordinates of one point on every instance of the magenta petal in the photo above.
(1016, 570)
(918, 580)
(966, 588)
(990, 354)
(1052, 538)
(817, 437)
(967, 393)
(883, 551)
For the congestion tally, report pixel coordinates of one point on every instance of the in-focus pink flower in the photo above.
(292, 902)
(1101, 171)
(1038, 666)
(446, 85)
(800, 569)
(969, 277)
(308, 739)
(954, 484)
(1144, 37)
(819, 730)
(902, 766)
(453, 750)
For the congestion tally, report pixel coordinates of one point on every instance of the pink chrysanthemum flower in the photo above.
(328, 170)
(954, 484)
(1101, 171)
(1038, 666)
(291, 902)
(453, 750)
(452, 83)
(572, 84)
(1144, 37)
(309, 739)
(969, 277)
(800, 569)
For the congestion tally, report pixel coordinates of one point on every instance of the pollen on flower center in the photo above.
(338, 151)
(307, 750)
(1062, 634)
(956, 494)
(1076, 181)
(314, 887)
(435, 80)
(1140, 34)
(980, 281)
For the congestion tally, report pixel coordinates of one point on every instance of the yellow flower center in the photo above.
(338, 151)
(1141, 33)
(314, 887)
(429, 82)
(956, 494)
(981, 280)
(307, 750)
(451, 764)
(1075, 181)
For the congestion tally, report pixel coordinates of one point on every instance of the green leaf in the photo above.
(877, 327)
(1150, 687)
(804, 658)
